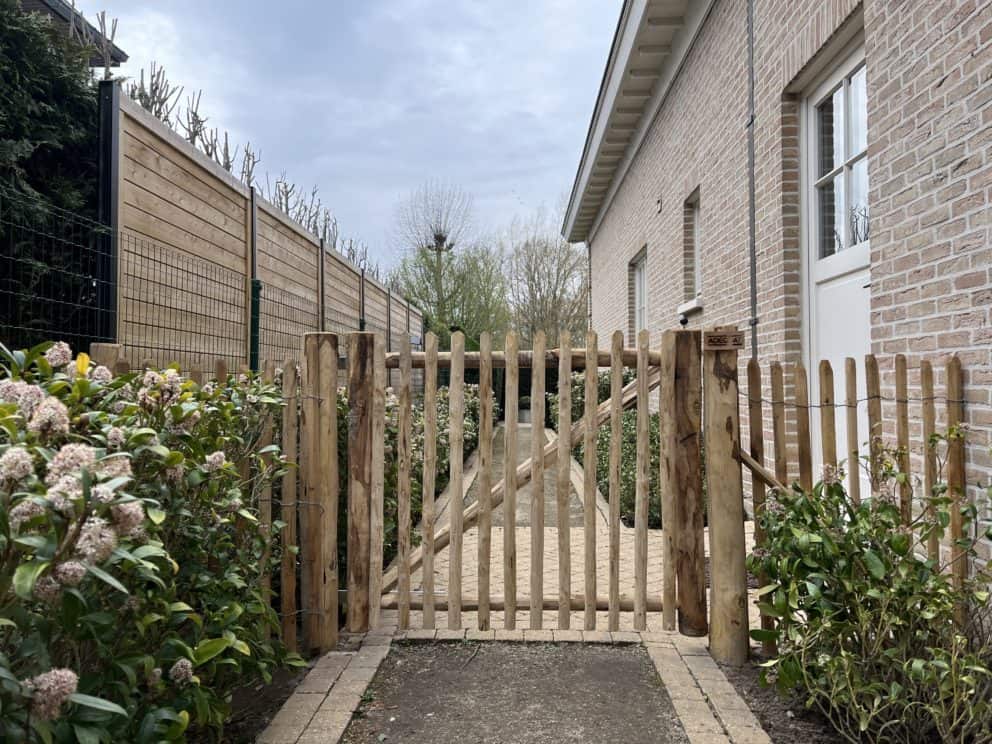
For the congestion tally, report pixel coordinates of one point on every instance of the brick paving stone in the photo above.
(474, 634)
(337, 700)
(625, 636)
(597, 636)
(420, 634)
(696, 716)
(539, 636)
(448, 634)
(509, 635)
(567, 636)
(377, 640)
(700, 737)
(280, 734)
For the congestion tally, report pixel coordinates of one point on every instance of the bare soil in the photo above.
(514, 693)
(785, 720)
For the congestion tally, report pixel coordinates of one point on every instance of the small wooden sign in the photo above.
(723, 340)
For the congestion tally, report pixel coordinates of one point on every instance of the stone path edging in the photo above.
(711, 711)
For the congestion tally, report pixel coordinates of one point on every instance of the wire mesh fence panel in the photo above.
(283, 319)
(178, 308)
(55, 275)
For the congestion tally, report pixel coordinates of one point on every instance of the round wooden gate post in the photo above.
(725, 489)
(361, 350)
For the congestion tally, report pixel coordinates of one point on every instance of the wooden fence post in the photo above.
(361, 350)
(725, 489)
(690, 562)
(377, 498)
(105, 354)
(956, 486)
(290, 422)
(319, 517)
(668, 482)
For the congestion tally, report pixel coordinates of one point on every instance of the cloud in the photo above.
(368, 100)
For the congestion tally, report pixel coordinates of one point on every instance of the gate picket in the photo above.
(456, 429)
(510, 484)
(537, 483)
(642, 486)
(430, 468)
(589, 479)
(563, 481)
(485, 485)
(403, 486)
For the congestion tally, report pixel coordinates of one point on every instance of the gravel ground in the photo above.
(515, 693)
(786, 721)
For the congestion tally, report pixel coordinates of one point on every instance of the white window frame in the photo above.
(839, 75)
(697, 257)
(639, 271)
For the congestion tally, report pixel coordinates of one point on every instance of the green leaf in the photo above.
(86, 735)
(760, 634)
(96, 703)
(874, 564)
(206, 650)
(26, 575)
(107, 579)
(155, 514)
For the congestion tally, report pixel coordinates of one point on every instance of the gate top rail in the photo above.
(525, 359)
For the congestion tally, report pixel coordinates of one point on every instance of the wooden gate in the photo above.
(679, 370)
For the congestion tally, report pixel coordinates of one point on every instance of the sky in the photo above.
(368, 99)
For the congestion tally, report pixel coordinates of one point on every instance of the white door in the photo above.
(837, 263)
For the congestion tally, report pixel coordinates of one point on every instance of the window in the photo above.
(838, 118)
(637, 291)
(692, 261)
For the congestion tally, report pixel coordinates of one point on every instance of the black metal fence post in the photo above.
(108, 174)
(361, 302)
(254, 285)
(322, 297)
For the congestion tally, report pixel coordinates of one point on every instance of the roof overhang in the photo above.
(651, 42)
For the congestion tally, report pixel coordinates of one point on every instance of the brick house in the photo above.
(872, 182)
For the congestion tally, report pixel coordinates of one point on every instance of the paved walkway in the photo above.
(707, 707)
(470, 552)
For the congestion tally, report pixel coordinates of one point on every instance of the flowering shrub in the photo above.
(628, 447)
(129, 545)
(865, 622)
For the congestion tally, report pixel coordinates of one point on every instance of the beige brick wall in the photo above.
(930, 127)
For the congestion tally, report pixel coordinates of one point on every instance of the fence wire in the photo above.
(56, 278)
(176, 307)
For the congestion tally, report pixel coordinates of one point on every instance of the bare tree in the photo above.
(436, 216)
(159, 97)
(547, 279)
(431, 223)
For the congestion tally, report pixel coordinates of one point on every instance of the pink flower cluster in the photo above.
(181, 672)
(59, 355)
(97, 540)
(49, 691)
(214, 461)
(24, 511)
(51, 418)
(27, 397)
(15, 465)
(159, 390)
